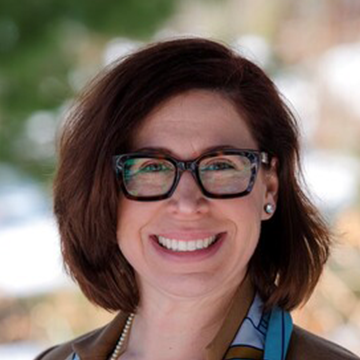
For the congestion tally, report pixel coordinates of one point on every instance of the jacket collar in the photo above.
(237, 312)
(99, 344)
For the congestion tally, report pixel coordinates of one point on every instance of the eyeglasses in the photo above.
(223, 174)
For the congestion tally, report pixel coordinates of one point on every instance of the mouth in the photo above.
(182, 246)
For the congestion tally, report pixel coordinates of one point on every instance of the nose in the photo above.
(187, 199)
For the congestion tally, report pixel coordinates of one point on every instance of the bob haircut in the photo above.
(294, 243)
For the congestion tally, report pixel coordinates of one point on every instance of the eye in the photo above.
(218, 166)
(154, 167)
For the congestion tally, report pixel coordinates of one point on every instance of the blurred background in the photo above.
(50, 49)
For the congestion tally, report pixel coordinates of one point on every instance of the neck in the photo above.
(174, 328)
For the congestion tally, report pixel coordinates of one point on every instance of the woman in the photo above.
(178, 205)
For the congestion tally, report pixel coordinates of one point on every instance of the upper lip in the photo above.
(188, 235)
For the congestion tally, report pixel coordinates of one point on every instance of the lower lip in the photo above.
(195, 255)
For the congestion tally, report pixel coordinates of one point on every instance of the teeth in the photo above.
(181, 245)
(168, 243)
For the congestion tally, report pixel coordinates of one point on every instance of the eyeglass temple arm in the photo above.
(116, 164)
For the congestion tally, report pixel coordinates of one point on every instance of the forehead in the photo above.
(188, 123)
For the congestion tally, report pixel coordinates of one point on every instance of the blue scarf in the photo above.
(262, 336)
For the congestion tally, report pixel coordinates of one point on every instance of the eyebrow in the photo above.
(159, 149)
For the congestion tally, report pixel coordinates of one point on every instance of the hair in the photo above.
(293, 245)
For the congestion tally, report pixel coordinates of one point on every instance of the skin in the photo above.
(183, 301)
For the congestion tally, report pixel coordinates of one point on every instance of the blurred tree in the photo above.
(40, 46)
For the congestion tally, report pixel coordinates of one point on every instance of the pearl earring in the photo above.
(269, 208)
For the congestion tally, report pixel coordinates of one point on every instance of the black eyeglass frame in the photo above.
(256, 158)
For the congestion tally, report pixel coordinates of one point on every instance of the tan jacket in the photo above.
(98, 344)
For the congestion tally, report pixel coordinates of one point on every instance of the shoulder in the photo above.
(58, 352)
(305, 345)
(65, 350)
(95, 344)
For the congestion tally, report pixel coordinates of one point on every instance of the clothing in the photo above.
(249, 342)
(228, 343)
(261, 335)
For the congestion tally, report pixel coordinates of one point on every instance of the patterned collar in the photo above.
(261, 335)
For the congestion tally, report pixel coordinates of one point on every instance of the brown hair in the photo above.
(294, 243)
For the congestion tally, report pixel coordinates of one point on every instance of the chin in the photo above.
(194, 284)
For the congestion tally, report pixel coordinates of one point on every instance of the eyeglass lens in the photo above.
(219, 175)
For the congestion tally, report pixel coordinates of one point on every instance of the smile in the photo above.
(186, 245)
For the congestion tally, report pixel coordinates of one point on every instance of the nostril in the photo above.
(188, 202)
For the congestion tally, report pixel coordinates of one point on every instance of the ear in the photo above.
(271, 180)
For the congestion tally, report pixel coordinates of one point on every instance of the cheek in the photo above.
(127, 234)
(247, 209)
(127, 218)
(255, 200)
(245, 216)
(132, 217)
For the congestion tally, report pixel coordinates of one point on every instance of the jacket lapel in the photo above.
(99, 344)
(240, 305)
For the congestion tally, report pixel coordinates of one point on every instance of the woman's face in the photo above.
(186, 126)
